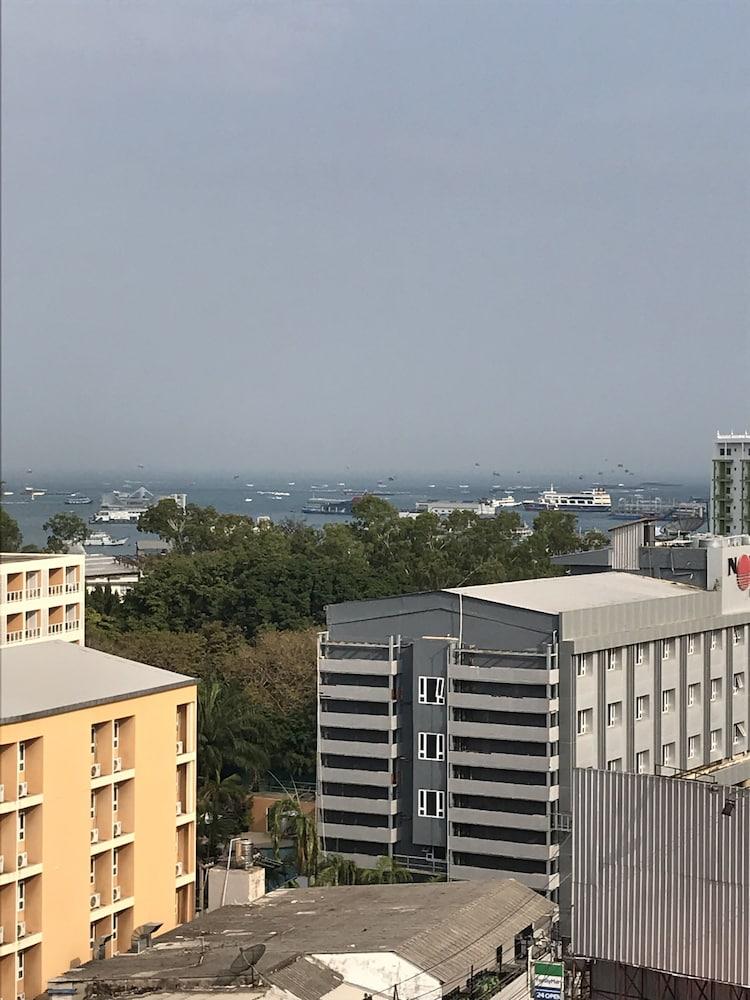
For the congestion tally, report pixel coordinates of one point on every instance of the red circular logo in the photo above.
(743, 572)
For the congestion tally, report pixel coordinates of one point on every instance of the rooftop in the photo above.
(443, 927)
(16, 557)
(48, 678)
(574, 593)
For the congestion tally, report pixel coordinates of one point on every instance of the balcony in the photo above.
(352, 748)
(54, 589)
(16, 636)
(32, 593)
(503, 789)
(370, 834)
(380, 668)
(72, 588)
(354, 721)
(33, 633)
(55, 627)
(14, 595)
(533, 706)
(542, 883)
(506, 675)
(504, 761)
(72, 625)
(503, 731)
(349, 692)
(374, 807)
(505, 848)
(347, 776)
(492, 817)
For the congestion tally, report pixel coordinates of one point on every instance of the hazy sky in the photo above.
(400, 235)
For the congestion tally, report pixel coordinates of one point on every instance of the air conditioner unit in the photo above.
(95, 900)
(95, 836)
(22, 860)
(23, 789)
(117, 763)
(179, 809)
(117, 829)
(116, 893)
(2, 793)
(180, 747)
(21, 929)
(96, 770)
(178, 869)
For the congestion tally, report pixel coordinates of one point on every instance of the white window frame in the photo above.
(666, 650)
(22, 757)
(737, 634)
(638, 654)
(693, 747)
(738, 733)
(641, 707)
(582, 721)
(116, 735)
(738, 682)
(92, 871)
(667, 701)
(714, 639)
(613, 659)
(422, 799)
(92, 805)
(615, 764)
(667, 753)
(21, 896)
(614, 714)
(581, 665)
(422, 742)
(715, 739)
(93, 741)
(691, 643)
(439, 690)
(21, 826)
(715, 688)
(642, 761)
(692, 690)
(115, 797)
(115, 862)
(20, 966)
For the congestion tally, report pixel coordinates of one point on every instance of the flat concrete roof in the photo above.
(47, 678)
(15, 557)
(445, 927)
(553, 595)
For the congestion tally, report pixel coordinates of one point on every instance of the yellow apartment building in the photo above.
(97, 808)
(41, 598)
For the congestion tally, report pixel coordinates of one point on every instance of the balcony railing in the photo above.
(55, 588)
(14, 595)
(55, 627)
(16, 636)
(33, 633)
(32, 592)
(72, 588)
(70, 626)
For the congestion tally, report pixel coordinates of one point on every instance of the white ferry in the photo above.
(100, 539)
(551, 499)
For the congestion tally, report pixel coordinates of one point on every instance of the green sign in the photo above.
(549, 978)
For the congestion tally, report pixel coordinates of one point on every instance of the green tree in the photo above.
(64, 530)
(386, 872)
(337, 870)
(287, 818)
(11, 538)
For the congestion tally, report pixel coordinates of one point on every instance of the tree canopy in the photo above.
(11, 538)
(64, 530)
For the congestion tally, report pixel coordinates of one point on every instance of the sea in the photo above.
(251, 496)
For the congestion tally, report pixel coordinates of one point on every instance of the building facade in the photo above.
(730, 485)
(97, 808)
(41, 598)
(450, 722)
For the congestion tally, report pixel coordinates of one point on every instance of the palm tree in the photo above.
(287, 818)
(337, 870)
(386, 872)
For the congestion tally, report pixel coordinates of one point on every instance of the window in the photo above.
(716, 689)
(613, 659)
(641, 706)
(431, 746)
(642, 761)
(614, 713)
(92, 872)
(93, 741)
(431, 803)
(22, 824)
(22, 756)
(738, 634)
(691, 644)
(21, 896)
(114, 926)
(116, 735)
(715, 739)
(693, 694)
(92, 805)
(115, 862)
(638, 653)
(115, 797)
(584, 723)
(666, 649)
(20, 965)
(581, 665)
(739, 733)
(738, 683)
(715, 640)
(694, 747)
(667, 700)
(615, 765)
(431, 690)
(668, 754)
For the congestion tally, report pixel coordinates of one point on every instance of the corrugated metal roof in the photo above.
(661, 876)
(305, 978)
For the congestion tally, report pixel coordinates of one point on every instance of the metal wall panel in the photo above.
(661, 879)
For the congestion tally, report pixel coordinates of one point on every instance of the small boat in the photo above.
(291, 484)
(463, 486)
(100, 539)
(250, 485)
(248, 499)
(7, 493)
(78, 500)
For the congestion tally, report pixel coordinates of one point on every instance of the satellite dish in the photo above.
(248, 958)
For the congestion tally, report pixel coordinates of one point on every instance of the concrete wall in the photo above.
(235, 886)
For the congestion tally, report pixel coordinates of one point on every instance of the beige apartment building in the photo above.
(97, 802)
(41, 598)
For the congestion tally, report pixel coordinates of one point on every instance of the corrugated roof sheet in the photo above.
(305, 977)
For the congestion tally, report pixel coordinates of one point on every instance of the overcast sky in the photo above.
(399, 235)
